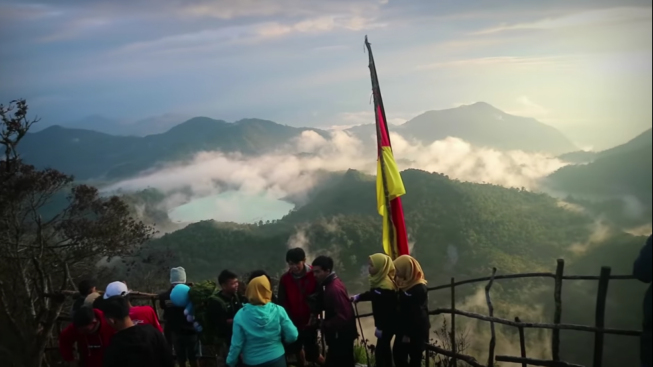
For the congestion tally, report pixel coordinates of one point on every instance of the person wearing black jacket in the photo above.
(133, 345)
(643, 271)
(413, 324)
(85, 288)
(383, 295)
(181, 333)
(222, 310)
(339, 324)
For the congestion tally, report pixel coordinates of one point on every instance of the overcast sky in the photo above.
(583, 66)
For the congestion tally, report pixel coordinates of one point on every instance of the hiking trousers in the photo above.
(340, 353)
(413, 351)
(384, 350)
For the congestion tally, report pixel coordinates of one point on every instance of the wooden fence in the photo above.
(559, 277)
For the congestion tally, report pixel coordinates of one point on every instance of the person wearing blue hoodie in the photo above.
(260, 329)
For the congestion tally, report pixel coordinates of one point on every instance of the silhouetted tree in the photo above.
(37, 254)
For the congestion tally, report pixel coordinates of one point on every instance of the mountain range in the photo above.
(456, 229)
(622, 170)
(482, 125)
(91, 154)
(642, 140)
(143, 127)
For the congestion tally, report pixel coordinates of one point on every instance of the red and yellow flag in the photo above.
(389, 186)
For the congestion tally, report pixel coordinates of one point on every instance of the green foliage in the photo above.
(201, 294)
(488, 226)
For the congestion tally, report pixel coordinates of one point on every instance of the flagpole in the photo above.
(378, 101)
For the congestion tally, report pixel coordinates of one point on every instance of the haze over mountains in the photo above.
(93, 154)
(481, 125)
(142, 127)
(623, 169)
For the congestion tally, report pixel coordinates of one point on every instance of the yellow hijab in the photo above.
(259, 291)
(383, 272)
(409, 273)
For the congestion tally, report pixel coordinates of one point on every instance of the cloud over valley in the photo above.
(295, 169)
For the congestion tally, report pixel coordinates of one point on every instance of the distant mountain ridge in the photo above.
(481, 125)
(143, 127)
(642, 140)
(88, 154)
(623, 170)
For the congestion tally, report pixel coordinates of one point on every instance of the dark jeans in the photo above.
(306, 340)
(405, 351)
(384, 350)
(186, 347)
(340, 353)
(279, 362)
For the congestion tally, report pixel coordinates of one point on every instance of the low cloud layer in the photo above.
(291, 170)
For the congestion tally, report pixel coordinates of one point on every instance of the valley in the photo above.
(238, 195)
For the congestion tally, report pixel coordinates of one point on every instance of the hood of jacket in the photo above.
(262, 321)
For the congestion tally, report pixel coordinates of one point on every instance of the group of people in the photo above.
(109, 331)
(261, 329)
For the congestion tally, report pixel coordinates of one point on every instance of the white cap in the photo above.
(116, 289)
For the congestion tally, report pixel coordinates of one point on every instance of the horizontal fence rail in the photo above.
(599, 329)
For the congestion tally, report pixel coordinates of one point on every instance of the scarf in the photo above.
(259, 291)
(409, 273)
(383, 272)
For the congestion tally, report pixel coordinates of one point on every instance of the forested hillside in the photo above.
(627, 172)
(457, 230)
(485, 225)
(641, 141)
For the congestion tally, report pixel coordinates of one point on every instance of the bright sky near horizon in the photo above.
(583, 66)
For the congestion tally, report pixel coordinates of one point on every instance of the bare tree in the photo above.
(445, 341)
(38, 255)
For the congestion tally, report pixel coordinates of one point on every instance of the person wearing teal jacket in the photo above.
(260, 329)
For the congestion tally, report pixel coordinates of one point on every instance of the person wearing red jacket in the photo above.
(91, 333)
(139, 314)
(297, 294)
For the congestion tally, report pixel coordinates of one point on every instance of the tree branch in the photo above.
(10, 318)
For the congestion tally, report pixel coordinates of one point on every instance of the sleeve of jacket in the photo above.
(365, 297)
(162, 346)
(419, 297)
(110, 359)
(338, 300)
(643, 265)
(282, 294)
(67, 340)
(237, 340)
(288, 329)
(155, 320)
(217, 314)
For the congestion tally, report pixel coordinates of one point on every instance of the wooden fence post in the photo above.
(601, 299)
(557, 319)
(490, 306)
(522, 341)
(454, 346)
